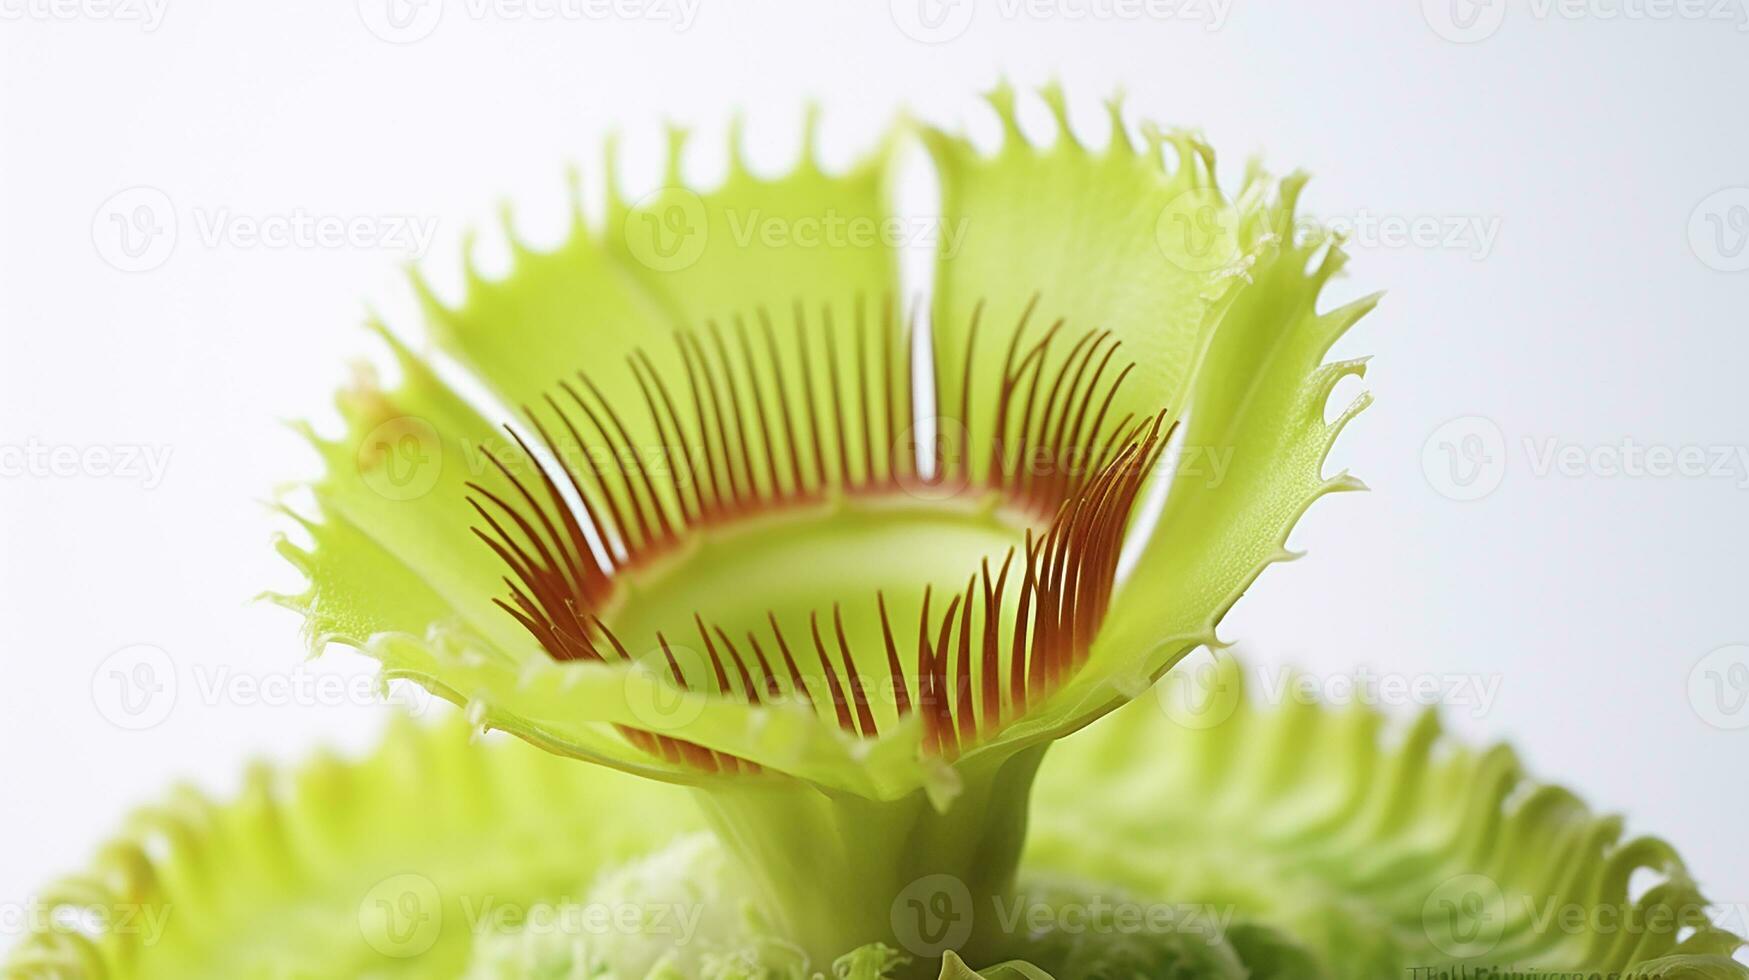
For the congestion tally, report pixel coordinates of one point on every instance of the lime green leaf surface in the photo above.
(1112, 240)
(1373, 852)
(337, 869)
(1252, 462)
(679, 258)
(1323, 846)
(396, 570)
(1249, 461)
(954, 968)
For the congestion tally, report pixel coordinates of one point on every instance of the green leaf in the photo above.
(1336, 852)
(681, 258)
(954, 968)
(381, 867)
(1248, 465)
(1373, 854)
(1095, 238)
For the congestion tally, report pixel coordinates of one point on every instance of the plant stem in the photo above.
(835, 872)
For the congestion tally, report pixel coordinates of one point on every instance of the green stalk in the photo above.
(834, 872)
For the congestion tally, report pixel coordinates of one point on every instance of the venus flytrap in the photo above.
(715, 551)
(802, 555)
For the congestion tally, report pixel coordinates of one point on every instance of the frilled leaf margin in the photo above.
(1236, 841)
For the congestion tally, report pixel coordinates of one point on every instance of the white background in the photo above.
(1601, 311)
